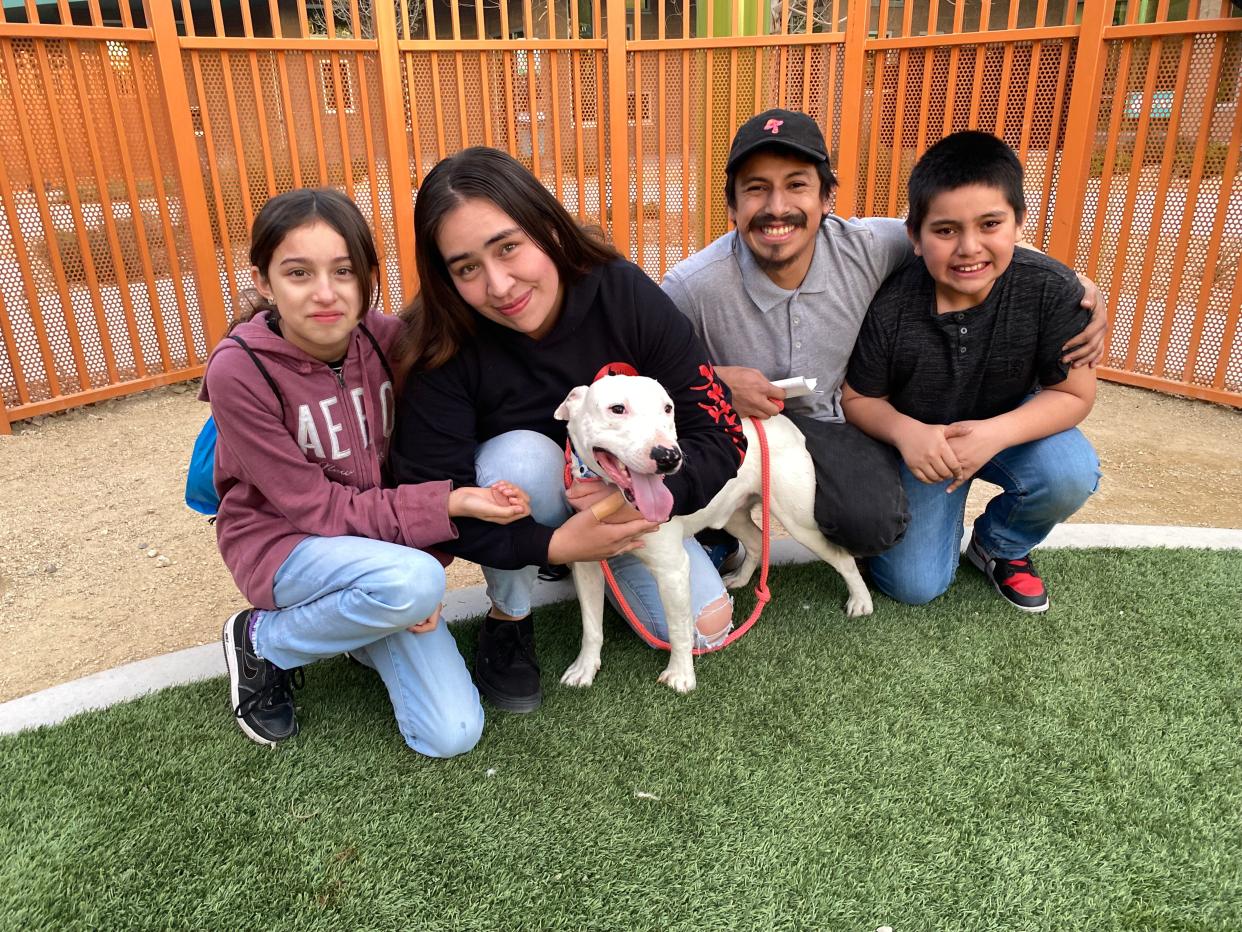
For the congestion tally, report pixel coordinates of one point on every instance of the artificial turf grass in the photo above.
(953, 766)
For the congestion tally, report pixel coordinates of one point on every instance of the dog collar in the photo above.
(576, 470)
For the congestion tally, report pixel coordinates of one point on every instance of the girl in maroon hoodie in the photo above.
(331, 561)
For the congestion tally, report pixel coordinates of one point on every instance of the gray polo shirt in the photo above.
(746, 319)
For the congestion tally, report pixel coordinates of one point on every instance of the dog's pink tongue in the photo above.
(651, 496)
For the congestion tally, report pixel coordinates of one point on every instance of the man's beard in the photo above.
(771, 263)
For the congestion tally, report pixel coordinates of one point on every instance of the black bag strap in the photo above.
(262, 371)
(379, 352)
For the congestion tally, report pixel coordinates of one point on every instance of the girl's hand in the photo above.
(427, 624)
(500, 503)
(975, 443)
(582, 495)
(928, 454)
(584, 538)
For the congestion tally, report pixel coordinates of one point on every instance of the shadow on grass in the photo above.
(954, 766)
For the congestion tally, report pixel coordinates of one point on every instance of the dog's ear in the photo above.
(573, 401)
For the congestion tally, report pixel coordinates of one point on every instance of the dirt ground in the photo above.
(101, 563)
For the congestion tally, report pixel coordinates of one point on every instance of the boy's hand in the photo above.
(928, 453)
(500, 503)
(974, 443)
(1086, 348)
(753, 394)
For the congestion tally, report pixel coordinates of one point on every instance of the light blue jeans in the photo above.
(339, 594)
(1043, 482)
(530, 460)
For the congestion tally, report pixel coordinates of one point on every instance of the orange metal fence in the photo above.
(138, 140)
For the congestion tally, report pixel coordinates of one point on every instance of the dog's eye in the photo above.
(668, 409)
(617, 409)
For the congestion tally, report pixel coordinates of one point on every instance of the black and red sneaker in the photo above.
(1017, 581)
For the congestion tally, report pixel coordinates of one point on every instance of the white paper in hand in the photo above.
(797, 386)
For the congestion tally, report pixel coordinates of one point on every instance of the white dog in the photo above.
(622, 429)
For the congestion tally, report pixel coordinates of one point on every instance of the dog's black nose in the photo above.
(667, 459)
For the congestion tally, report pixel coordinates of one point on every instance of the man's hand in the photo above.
(1087, 347)
(427, 624)
(753, 394)
(928, 453)
(974, 443)
(500, 503)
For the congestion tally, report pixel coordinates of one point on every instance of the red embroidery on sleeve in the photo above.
(717, 405)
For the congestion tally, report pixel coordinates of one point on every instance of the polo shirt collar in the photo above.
(764, 293)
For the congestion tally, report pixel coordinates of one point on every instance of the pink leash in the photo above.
(762, 593)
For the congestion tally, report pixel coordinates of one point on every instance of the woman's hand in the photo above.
(584, 538)
(500, 503)
(928, 453)
(753, 394)
(427, 624)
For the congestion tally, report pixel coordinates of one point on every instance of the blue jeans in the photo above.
(339, 594)
(1043, 482)
(530, 460)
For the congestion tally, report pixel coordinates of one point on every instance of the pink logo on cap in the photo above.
(773, 126)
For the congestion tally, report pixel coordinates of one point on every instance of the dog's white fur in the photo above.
(629, 416)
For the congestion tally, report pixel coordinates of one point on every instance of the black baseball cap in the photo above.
(790, 129)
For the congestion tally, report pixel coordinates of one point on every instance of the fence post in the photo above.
(1090, 61)
(850, 138)
(619, 126)
(400, 189)
(185, 157)
(5, 423)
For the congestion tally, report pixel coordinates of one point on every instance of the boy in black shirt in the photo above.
(958, 365)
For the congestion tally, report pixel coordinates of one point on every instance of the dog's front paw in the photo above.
(678, 679)
(581, 672)
(858, 605)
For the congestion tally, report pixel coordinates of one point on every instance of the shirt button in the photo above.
(962, 350)
(797, 321)
(963, 330)
(797, 346)
(958, 316)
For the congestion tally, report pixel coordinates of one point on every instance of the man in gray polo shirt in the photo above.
(784, 294)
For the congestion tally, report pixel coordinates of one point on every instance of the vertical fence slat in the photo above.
(1080, 128)
(389, 55)
(618, 155)
(850, 139)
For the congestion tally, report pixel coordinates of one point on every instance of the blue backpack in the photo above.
(200, 486)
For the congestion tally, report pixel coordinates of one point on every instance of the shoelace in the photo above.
(515, 644)
(279, 688)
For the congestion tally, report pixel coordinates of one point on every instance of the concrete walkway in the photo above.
(132, 680)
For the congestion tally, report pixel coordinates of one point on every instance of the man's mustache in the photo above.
(795, 218)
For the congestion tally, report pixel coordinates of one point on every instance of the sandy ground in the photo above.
(101, 563)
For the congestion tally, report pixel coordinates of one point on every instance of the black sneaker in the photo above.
(553, 572)
(261, 692)
(505, 669)
(726, 557)
(1017, 581)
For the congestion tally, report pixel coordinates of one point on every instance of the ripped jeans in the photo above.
(536, 464)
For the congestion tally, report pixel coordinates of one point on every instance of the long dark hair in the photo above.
(297, 208)
(438, 321)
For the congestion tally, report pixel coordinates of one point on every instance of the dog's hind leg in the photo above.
(859, 600)
(743, 528)
(589, 581)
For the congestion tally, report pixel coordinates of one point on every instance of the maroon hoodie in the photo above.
(316, 472)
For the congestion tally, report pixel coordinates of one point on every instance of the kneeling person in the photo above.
(959, 366)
